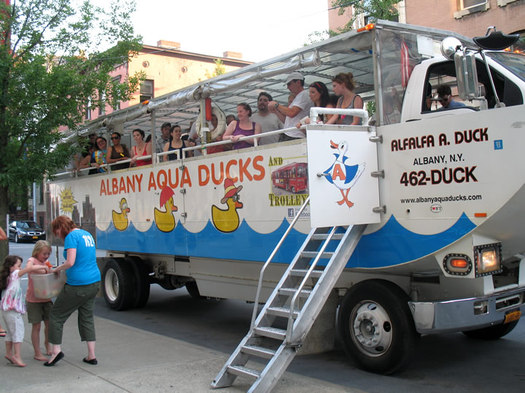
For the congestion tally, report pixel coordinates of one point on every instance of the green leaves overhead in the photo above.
(56, 56)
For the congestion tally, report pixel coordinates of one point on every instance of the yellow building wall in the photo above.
(170, 73)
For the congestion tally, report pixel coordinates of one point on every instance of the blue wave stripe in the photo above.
(389, 246)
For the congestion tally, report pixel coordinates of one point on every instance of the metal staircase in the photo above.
(292, 308)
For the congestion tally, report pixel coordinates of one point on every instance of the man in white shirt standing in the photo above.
(299, 108)
(267, 120)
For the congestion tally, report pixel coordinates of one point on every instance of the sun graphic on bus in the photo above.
(67, 202)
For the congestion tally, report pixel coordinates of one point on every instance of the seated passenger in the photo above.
(445, 98)
(229, 119)
(242, 127)
(318, 93)
(176, 143)
(343, 85)
(219, 148)
(141, 149)
(268, 121)
(118, 152)
(98, 157)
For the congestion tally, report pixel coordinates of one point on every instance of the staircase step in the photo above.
(261, 352)
(282, 312)
(243, 371)
(291, 292)
(302, 273)
(324, 236)
(314, 254)
(266, 331)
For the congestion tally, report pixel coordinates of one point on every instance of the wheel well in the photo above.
(394, 286)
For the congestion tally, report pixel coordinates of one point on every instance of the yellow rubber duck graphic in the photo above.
(120, 220)
(165, 220)
(227, 220)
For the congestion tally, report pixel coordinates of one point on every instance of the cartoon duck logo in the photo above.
(340, 174)
(227, 220)
(165, 220)
(120, 219)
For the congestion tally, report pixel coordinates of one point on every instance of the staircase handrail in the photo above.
(263, 269)
(313, 265)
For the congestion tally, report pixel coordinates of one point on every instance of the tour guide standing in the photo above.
(82, 284)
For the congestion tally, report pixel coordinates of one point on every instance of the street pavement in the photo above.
(133, 360)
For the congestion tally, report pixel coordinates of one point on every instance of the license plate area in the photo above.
(512, 316)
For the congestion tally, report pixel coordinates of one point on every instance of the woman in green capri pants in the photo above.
(82, 284)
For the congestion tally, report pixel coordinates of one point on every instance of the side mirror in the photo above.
(465, 63)
(449, 47)
(467, 75)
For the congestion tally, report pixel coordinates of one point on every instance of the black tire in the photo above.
(142, 284)
(193, 290)
(118, 284)
(491, 332)
(377, 328)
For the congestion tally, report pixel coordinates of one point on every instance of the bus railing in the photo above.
(201, 149)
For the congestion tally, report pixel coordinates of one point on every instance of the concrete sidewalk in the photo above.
(132, 360)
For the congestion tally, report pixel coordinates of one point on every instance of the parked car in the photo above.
(26, 230)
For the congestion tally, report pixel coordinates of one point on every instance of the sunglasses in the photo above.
(115, 137)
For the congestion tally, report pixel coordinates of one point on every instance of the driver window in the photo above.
(444, 74)
(441, 89)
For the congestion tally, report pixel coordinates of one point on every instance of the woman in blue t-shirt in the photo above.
(82, 284)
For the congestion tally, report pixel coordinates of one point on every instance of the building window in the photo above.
(466, 7)
(116, 81)
(466, 4)
(146, 90)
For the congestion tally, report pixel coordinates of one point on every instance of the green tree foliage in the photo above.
(55, 57)
(374, 9)
(219, 69)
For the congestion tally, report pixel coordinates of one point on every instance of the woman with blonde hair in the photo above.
(38, 310)
(343, 85)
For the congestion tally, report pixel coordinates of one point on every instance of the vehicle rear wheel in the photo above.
(492, 332)
(118, 284)
(377, 328)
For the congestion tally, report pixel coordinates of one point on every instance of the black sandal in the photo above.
(90, 361)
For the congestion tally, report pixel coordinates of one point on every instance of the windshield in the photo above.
(29, 225)
(512, 61)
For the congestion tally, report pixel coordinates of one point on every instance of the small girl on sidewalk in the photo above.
(38, 309)
(13, 306)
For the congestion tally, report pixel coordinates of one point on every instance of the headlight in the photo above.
(488, 259)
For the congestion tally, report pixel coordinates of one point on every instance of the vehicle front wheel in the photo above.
(491, 332)
(17, 239)
(118, 284)
(377, 328)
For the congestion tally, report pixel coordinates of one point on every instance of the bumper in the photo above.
(466, 314)
(31, 237)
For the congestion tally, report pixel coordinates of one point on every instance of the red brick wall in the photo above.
(440, 14)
